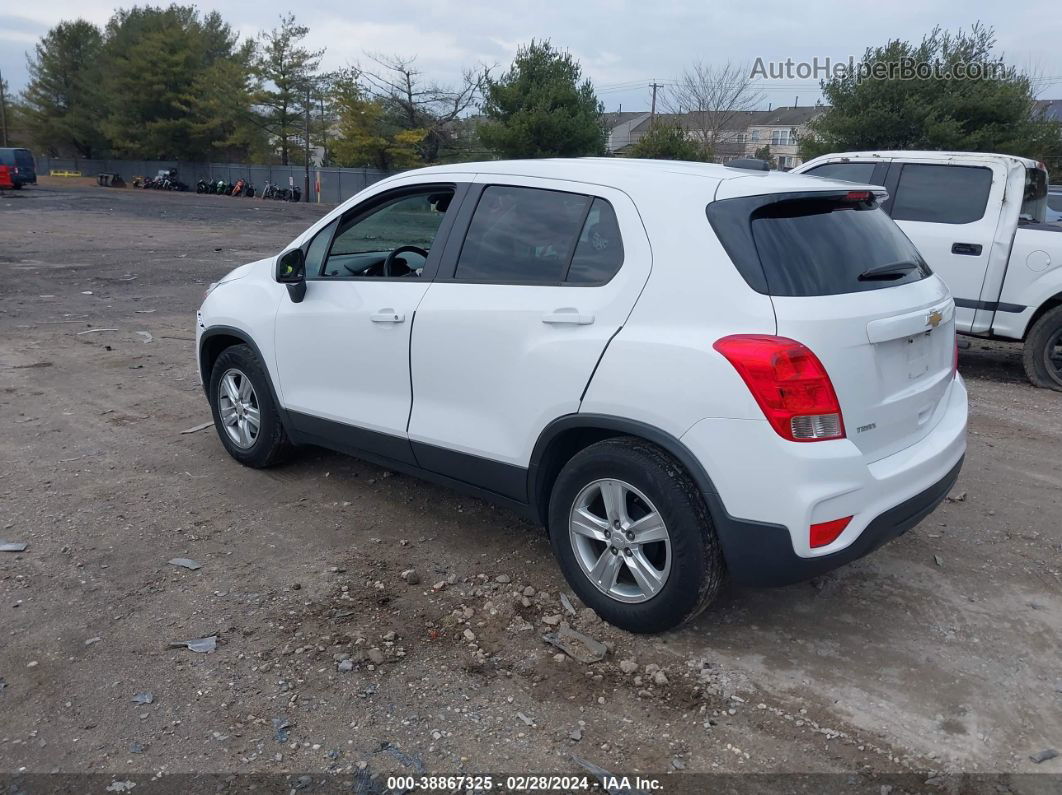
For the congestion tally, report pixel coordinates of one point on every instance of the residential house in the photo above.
(741, 136)
(781, 129)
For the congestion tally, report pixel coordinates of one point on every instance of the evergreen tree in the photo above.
(161, 72)
(542, 108)
(288, 72)
(666, 141)
(945, 109)
(62, 106)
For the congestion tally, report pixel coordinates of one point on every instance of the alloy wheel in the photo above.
(238, 406)
(620, 540)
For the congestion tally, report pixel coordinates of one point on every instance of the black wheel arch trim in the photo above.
(620, 426)
(246, 339)
(731, 531)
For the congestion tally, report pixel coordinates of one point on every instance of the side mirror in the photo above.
(291, 270)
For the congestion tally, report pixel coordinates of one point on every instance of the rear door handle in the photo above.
(387, 315)
(971, 249)
(567, 316)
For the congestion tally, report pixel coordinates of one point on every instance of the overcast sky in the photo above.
(622, 46)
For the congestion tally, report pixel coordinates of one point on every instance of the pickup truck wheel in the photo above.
(246, 419)
(1042, 356)
(633, 536)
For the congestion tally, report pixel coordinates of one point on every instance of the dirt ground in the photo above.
(939, 653)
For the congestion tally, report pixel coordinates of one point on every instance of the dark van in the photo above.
(20, 163)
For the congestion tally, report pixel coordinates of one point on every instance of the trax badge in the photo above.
(934, 318)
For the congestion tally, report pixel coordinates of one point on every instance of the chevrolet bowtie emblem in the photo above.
(934, 318)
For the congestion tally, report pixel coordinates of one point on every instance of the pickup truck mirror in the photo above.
(291, 271)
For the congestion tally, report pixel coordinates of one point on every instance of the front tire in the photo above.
(634, 537)
(245, 416)
(1042, 355)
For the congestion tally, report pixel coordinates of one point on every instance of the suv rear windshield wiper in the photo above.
(891, 270)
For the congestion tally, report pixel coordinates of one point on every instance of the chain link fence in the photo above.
(336, 184)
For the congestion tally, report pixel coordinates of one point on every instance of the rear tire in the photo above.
(687, 569)
(245, 417)
(1042, 355)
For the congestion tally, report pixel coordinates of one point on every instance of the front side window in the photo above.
(942, 194)
(521, 235)
(390, 241)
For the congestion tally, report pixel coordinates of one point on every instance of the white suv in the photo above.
(681, 370)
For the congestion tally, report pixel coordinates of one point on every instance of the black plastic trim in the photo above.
(621, 426)
(760, 554)
(991, 306)
(495, 476)
(493, 481)
(229, 331)
(307, 429)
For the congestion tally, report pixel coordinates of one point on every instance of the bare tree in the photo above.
(417, 104)
(713, 99)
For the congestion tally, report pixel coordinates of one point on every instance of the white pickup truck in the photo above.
(979, 221)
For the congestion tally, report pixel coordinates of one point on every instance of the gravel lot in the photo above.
(939, 653)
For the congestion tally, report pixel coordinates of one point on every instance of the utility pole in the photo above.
(3, 110)
(306, 178)
(654, 85)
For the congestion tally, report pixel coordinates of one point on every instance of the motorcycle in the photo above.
(202, 186)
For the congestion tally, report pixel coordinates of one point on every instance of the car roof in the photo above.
(637, 176)
(924, 154)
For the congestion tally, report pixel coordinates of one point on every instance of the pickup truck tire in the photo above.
(1042, 356)
(683, 573)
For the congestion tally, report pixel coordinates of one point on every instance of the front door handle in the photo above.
(567, 316)
(971, 249)
(387, 315)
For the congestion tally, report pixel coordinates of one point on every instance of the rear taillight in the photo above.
(789, 383)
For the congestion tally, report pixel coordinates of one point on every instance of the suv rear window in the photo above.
(815, 244)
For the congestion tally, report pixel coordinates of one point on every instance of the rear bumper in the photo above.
(768, 492)
(762, 555)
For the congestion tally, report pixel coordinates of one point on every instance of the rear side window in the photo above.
(532, 236)
(852, 172)
(23, 158)
(814, 244)
(521, 235)
(942, 194)
(599, 252)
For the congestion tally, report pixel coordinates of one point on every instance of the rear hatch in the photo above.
(848, 284)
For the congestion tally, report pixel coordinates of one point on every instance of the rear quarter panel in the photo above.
(660, 368)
